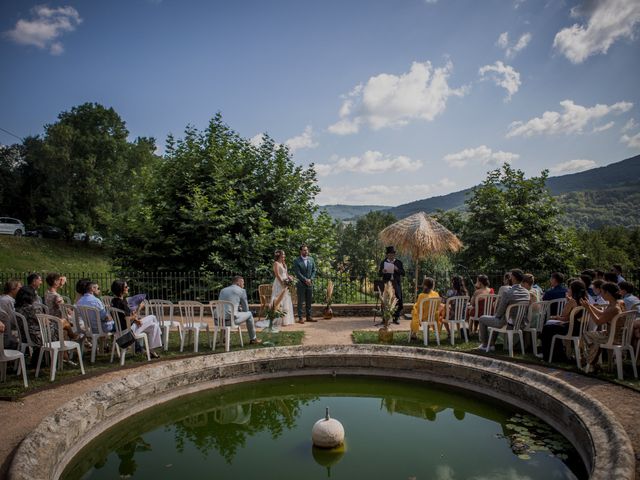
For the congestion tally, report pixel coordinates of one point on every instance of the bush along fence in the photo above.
(204, 286)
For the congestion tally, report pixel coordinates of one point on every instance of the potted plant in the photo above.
(389, 302)
(327, 313)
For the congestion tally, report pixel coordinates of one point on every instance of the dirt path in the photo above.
(19, 418)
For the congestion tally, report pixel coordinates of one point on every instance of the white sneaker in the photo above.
(482, 347)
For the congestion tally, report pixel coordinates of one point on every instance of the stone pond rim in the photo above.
(596, 434)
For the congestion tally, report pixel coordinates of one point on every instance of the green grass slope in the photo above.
(21, 254)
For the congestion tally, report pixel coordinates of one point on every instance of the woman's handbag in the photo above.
(126, 339)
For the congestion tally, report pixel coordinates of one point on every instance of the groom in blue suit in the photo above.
(304, 269)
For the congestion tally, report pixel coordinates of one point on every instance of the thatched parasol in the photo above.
(420, 237)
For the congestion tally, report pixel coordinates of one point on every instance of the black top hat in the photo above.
(390, 249)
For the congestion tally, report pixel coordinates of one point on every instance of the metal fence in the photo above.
(204, 286)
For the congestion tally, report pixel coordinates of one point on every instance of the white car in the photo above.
(11, 226)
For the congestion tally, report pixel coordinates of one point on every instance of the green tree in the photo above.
(359, 250)
(215, 202)
(82, 172)
(514, 222)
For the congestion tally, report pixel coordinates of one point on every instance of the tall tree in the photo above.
(514, 222)
(215, 202)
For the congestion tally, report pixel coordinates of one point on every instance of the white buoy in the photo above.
(327, 432)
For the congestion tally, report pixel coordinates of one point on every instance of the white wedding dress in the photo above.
(286, 304)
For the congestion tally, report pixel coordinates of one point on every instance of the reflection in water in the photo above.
(244, 431)
(126, 454)
(226, 428)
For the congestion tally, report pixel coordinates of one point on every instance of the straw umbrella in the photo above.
(420, 237)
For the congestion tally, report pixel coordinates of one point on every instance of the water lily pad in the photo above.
(524, 456)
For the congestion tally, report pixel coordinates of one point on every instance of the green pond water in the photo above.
(394, 429)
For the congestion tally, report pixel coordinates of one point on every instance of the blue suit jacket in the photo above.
(304, 272)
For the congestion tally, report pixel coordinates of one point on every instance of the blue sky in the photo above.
(393, 101)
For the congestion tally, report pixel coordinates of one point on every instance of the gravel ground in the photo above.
(19, 418)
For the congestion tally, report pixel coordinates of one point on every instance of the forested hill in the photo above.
(347, 212)
(596, 197)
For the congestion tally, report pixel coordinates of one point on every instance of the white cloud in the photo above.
(382, 194)
(304, 140)
(630, 125)
(573, 119)
(482, 154)
(602, 128)
(512, 50)
(607, 22)
(256, 140)
(388, 100)
(45, 26)
(370, 162)
(573, 166)
(631, 141)
(502, 75)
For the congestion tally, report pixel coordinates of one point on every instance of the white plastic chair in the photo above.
(455, 314)
(223, 313)
(538, 315)
(192, 314)
(167, 322)
(25, 337)
(574, 339)
(428, 315)
(485, 305)
(516, 312)
(93, 327)
(56, 348)
(559, 306)
(115, 313)
(7, 356)
(623, 343)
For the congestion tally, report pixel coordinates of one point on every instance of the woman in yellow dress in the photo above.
(427, 292)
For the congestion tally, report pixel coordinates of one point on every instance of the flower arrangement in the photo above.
(274, 310)
(389, 304)
(329, 297)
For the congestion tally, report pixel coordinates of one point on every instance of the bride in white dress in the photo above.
(281, 282)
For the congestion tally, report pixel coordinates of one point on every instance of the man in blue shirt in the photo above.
(630, 300)
(89, 299)
(556, 291)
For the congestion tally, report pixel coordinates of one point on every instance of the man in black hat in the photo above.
(391, 270)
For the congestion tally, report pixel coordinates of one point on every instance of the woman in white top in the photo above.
(281, 282)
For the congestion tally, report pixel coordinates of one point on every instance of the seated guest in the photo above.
(25, 299)
(593, 340)
(148, 324)
(630, 300)
(587, 279)
(81, 286)
(596, 286)
(34, 281)
(516, 294)
(236, 294)
(556, 291)
(506, 284)
(458, 288)
(53, 300)
(527, 282)
(90, 299)
(617, 269)
(559, 324)
(7, 302)
(599, 275)
(611, 277)
(427, 292)
(481, 288)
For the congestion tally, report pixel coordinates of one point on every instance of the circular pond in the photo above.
(394, 429)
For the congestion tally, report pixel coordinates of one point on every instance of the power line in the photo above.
(12, 134)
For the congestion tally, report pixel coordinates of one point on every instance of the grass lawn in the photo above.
(401, 338)
(13, 388)
(25, 254)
